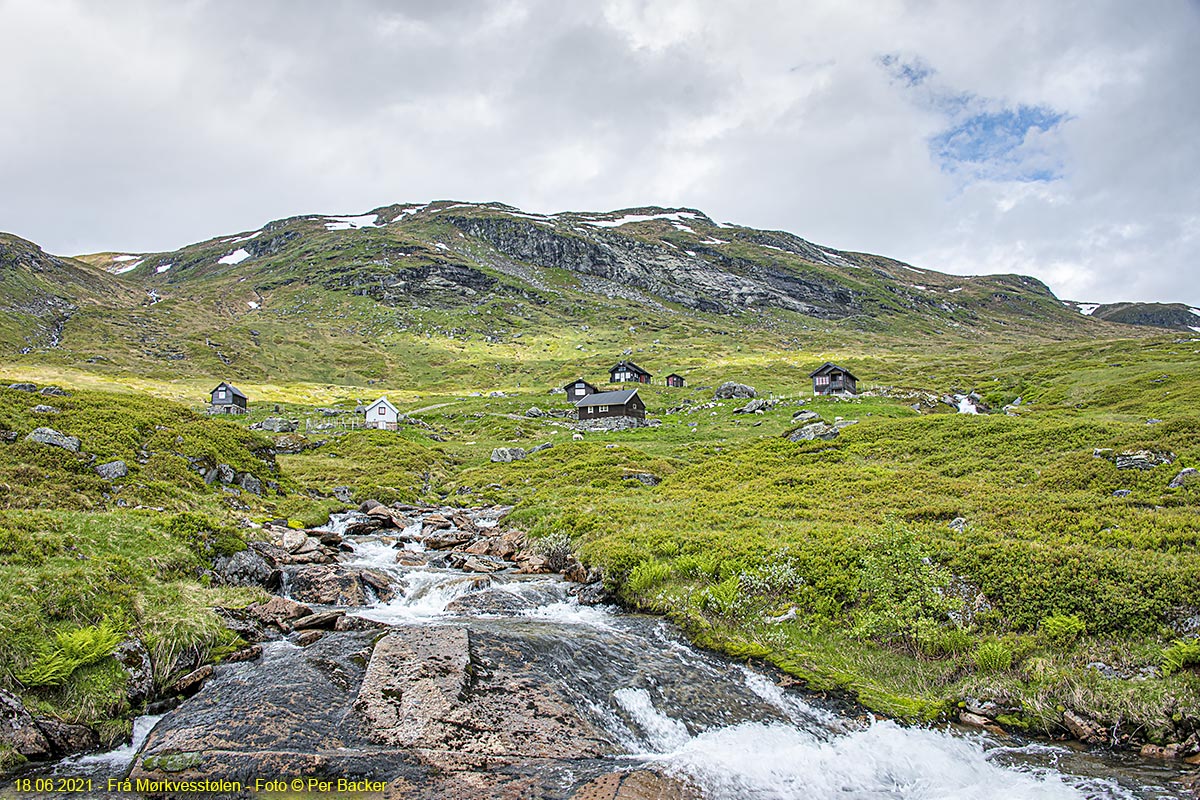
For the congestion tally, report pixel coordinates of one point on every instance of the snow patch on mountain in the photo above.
(236, 257)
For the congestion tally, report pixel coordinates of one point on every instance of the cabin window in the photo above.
(601, 409)
(579, 390)
(381, 411)
(220, 394)
(822, 380)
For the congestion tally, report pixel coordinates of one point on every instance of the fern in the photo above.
(70, 651)
(1182, 653)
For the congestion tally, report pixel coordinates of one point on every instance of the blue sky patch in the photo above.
(984, 139)
(996, 144)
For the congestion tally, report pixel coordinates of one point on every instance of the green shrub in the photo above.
(204, 536)
(555, 548)
(992, 656)
(1061, 630)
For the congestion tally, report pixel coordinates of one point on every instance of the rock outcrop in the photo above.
(51, 437)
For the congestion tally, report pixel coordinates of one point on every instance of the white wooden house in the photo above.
(381, 414)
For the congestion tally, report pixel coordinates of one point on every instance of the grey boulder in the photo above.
(54, 438)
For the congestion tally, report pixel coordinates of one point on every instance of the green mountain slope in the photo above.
(460, 295)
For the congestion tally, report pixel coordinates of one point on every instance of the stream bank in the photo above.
(411, 655)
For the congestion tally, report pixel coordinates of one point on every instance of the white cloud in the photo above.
(773, 115)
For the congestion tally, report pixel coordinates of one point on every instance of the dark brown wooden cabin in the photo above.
(578, 389)
(676, 380)
(226, 399)
(832, 379)
(626, 371)
(624, 403)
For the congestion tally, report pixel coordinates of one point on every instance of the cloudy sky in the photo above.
(1057, 139)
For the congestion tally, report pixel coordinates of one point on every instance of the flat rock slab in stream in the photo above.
(433, 712)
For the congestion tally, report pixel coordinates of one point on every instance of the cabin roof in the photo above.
(830, 367)
(232, 389)
(607, 398)
(632, 367)
(579, 380)
(674, 375)
(384, 401)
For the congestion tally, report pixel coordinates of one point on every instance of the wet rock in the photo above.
(54, 439)
(592, 594)
(973, 720)
(814, 430)
(251, 653)
(495, 601)
(412, 683)
(1167, 752)
(343, 493)
(248, 723)
(326, 620)
(533, 565)
(731, 389)
(637, 785)
(1143, 459)
(367, 505)
(1084, 729)
(1186, 476)
(65, 738)
(340, 585)
(388, 517)
(309, 637)
(19, 731)
(327, 538)
(348, 623)
(245, 568)
(475, 563)
(418, 692)
(134, 658)
(410, 558)
(293, 540)
(447, 539)
(505, 455)
(112, 470)
(191, 683)
(278, 610)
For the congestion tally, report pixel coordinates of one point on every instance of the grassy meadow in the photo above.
(836, 560)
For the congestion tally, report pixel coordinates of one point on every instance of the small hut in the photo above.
(227, 399)
(626, 371)
(832, 379)
(381, 414)
(624, 403)
(578, 389)
(676, 380)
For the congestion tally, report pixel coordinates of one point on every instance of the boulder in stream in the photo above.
(340, 585)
